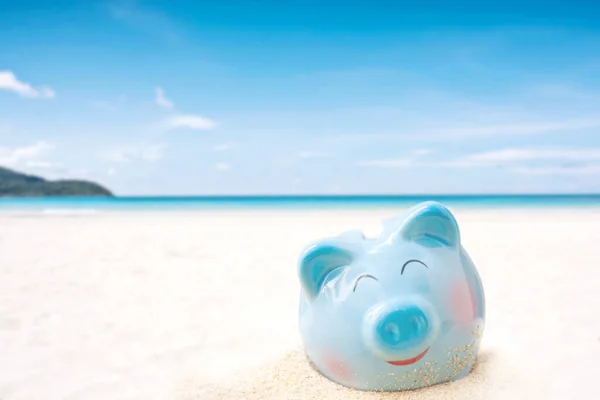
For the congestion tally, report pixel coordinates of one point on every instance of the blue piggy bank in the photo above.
(402, 311)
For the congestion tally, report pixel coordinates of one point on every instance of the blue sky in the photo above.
(272, 97)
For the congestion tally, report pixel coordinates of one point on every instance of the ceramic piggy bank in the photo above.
(401, 311)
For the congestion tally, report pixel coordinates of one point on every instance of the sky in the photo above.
(218, 97)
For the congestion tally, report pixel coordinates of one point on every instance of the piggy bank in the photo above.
(401, 311)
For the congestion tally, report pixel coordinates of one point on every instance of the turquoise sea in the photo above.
(66, 204)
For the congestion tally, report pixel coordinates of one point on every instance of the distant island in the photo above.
(16, 184)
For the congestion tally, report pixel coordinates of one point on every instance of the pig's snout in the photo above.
(400, 329)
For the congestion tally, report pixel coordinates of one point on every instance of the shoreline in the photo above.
(467, 213)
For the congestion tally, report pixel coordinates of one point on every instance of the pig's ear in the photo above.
(430, 224)
(318, 261)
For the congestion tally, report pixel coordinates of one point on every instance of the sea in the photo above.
(79, 205)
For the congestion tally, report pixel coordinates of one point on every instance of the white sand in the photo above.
(204, 305)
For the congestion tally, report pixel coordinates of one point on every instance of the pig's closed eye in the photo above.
(361, 277)
(412, 261)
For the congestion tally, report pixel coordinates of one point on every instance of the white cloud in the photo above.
(182, 121)
(412, 162)
(513, 157)
(111, 172)
(521, 154)
(312, 154)
(495, 157)
(144, 18)
(440, 135)
(526, 128)
(195, 122)
(141, 152)
(112, 105)
(389, 163)
(30, 159)
(222, 147)
(423, 152)
(78, 173)
(9, 81)
(58, 171)
(161, 100)
(26, 155)
(404, 162)
(223, 167)
(593, 169)
(41, 164)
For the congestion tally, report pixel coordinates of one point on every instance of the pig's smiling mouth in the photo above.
(409, 360)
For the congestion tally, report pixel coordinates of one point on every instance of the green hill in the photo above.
(16, 184)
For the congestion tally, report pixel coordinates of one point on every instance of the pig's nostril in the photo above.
(391, 331)
(419, 324)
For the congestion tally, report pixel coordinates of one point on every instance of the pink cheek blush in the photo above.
(336, 367)
(462, 302)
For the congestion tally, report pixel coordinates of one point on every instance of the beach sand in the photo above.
(203, 305)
